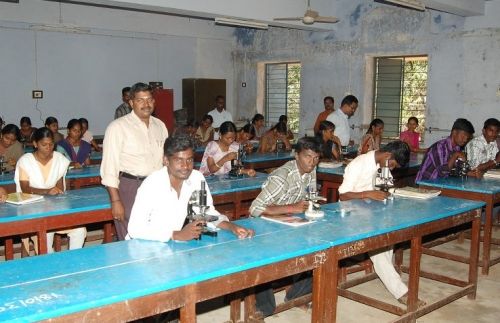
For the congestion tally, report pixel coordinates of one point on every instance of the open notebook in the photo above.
(330, 164)
(291, 220)
(22, 198)
(415, 192)
(492, 173)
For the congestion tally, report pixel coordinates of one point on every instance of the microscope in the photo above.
(197, 208)
(3, 169)
(237, 164)
(461, 168)
(383, 180)
(313, 211)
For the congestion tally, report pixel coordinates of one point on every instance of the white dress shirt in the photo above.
(341, 122)
(158, 211)
(132, 147)
(219, 118)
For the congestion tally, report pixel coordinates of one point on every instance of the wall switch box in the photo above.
(37, 94)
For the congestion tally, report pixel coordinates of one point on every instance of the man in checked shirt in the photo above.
(284, 192)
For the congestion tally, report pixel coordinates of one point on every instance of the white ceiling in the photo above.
(266, 10)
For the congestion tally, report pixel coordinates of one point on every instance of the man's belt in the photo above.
(130, 176)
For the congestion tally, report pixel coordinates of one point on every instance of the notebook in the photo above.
(22, 198)
(291, 220)
(415, 192)
(492, 173)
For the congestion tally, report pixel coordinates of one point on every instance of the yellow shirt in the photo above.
(132, 147)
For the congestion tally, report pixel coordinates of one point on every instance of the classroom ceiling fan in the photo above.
(310, 17)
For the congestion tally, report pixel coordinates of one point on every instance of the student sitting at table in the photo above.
(482, 151)
(10, 147)
(411, 136)
(373, 137)
(358, 184)
(87, 135)
(219, 154)
(244, 136)
(160, 207)
(53, 125)
(27, 131)
(289, 134)
(284, 192)
(274, 138)
(73, 147)
(205, 132)
(330, 142)
(3, 195)
(443, 154)
(258, 125)
(42, 172)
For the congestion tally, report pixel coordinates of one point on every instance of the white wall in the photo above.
(463, 64)
(82, 74)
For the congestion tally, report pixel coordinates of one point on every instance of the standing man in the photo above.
(340, 118)
(284, 192)
(329, 103)
(358, 184)
(132, 149)
(219, 114)
(161, 205)
(482, 151)
(440, 158)
(124, 108)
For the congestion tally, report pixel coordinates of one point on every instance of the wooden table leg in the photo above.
(474, 252)
(42, 242)
(414, 273)
(249, 306)
(9, 249)
(188, 311)
(108, 232)
(325, 279)
(487, 236)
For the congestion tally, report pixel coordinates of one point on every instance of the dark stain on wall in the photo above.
(245, 36)
(437, 19)
(354, 17)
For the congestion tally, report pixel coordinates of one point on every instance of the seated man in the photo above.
(440, 158)
(358, 184)
(284, 192)
(482, 151)
(160, 207)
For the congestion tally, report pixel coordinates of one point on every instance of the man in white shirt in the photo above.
(358, 184)
(160, 207)
(219, 114)
(132, 149)
(482, 151)
(340, 118)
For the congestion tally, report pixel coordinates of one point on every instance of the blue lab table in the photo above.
(235, 192)
(261, 161)
(71, 209)
(75, 178)
(484, 189)
(332, 178)
(95, 157)
(128, 280)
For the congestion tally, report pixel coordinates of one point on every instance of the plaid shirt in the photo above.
(435, 162)
(479, 151)
(284, 186)
(123, 109)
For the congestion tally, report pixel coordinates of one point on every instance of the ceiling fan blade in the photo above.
(288, 19)
(330, 20)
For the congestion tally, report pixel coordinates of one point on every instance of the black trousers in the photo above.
(264, 295)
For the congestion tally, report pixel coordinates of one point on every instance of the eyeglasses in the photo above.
(144, 100)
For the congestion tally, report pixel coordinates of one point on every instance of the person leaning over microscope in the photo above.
(161, 204)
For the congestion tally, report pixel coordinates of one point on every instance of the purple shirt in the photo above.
(435, 162)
